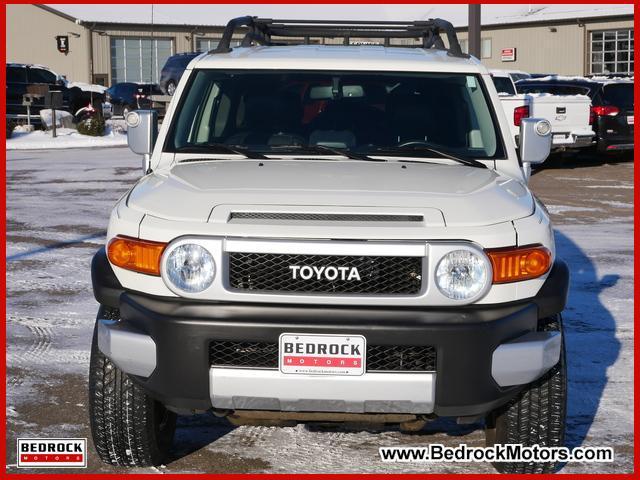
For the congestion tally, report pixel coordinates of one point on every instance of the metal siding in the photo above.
(102, 43)
(538, 49)
(541, 51)
(30, 38)
(102, 48)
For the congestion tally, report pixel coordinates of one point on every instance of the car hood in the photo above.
(464, 195)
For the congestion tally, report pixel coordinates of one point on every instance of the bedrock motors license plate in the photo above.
(322, 354)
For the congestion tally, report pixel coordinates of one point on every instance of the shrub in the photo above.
(93, 126)
(10, 126)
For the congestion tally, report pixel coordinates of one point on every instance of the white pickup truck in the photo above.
(569, 115)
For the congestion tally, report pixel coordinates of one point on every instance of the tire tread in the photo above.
(123, 417)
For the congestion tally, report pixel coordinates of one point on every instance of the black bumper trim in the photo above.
(464, 343)
(106, 286)
(464, 337)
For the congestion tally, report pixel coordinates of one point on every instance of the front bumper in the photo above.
(476, 348)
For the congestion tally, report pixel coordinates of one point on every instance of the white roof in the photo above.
(338, 57)
(216, 15)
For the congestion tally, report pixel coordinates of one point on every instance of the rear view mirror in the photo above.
(535, 140)
(142, 131)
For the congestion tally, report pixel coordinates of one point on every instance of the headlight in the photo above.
(543, 127)
(190, 268)
(132, 119)
(462, 274)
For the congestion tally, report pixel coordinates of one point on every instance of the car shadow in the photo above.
(590, 337)
(591, 346)
(196, 432)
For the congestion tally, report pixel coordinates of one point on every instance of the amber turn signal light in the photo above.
(514, 265)
(141, 256)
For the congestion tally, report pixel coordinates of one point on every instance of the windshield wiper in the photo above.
(424, 148)
(335, 151)
(220, 147)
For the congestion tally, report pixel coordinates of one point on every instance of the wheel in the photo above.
(128, 427)
(536, 416)
(171, 88)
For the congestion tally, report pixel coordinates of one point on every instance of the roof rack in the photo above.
(261, 30)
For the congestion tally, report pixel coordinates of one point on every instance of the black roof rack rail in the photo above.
(260, 30)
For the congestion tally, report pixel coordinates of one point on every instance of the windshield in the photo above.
(618, 94)
(541, 87)
(364, 112)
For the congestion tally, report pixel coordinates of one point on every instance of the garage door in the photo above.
(136, 59)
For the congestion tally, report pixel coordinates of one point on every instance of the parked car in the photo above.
(319, 235)
(538, 75)
(518, 75)
(23, 77)
(173, 70)
(569, 115)
(612, 104)
(127, 96)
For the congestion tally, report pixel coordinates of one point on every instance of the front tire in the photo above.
(129, 428)
(536, 416)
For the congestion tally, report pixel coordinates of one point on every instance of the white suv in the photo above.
(330, 232)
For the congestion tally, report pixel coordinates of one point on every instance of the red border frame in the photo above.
(3, 366)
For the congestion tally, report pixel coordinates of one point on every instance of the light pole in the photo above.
(474, 29)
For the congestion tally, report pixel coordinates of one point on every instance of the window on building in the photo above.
(485, 47)
(135, 59)
(206, 44)
(611, 51)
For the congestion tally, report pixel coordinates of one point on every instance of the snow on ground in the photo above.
(58, 204)
(67, 138)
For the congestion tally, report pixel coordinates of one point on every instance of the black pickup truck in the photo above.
(20, 77)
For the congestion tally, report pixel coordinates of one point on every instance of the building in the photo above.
(558, 43)
(107, 44)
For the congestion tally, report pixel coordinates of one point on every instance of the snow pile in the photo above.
(544, 95)
(86, 87)
(63, 119)
(67, 138)
(577, 78)
(23, 129)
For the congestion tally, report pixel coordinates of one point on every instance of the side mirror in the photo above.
(142, 131)
(535, 140)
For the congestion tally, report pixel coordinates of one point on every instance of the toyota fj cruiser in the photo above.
(330, 233)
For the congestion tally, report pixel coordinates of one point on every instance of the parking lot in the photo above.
(58, 205)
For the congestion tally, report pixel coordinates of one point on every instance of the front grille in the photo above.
(380, 358)
(324, 217)
(269, 272)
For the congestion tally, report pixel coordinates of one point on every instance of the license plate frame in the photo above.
(304, 354)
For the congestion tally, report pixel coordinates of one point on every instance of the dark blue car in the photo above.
(173, 70)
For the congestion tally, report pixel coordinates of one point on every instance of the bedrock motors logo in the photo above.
(52, 452)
